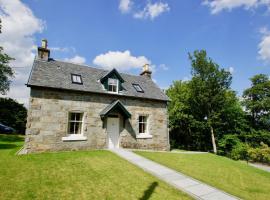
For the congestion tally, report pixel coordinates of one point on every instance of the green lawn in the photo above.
(234, 177)
(75, 175)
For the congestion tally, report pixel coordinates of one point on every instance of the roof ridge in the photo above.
(93, 67)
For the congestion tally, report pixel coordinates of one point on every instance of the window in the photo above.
(113, 85)
(142, 124)
(75, 123)
(137, 87)
(75, 78)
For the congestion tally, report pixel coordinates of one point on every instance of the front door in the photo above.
(113, 132)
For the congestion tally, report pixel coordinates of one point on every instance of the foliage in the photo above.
(227, 143)
(186, 131)
(260, 154)
(240, 152)
(257, 101)
(232, 147)
(75, 175)
(255, 137)
(5, 72)
(13, 114)
(207, 94)
(236, 178)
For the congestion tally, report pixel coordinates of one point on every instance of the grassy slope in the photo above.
(74, 175)
(234, 177)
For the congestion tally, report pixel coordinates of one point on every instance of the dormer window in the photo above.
(137, 87)
(77, 79)
(113, 85)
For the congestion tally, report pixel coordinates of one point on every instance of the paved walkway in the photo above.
(260, 166)
(193, 187)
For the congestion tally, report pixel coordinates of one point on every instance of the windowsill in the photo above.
(112, 92)
(74, 137)
(144, 136)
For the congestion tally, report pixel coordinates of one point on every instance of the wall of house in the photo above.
(47, 121)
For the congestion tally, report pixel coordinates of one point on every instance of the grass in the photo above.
(234, 177)
(75, 175)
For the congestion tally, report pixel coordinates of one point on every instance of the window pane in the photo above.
(71, 128)
(110, 88)
(141, 128)
(142, 119)
(77, 129)
(72, 116)
(114, 88)
(137, 87)
(79, 117)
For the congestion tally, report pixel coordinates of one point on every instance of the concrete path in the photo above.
(193, 187)
(260, 166)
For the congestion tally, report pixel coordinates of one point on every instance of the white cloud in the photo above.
(264, 45)
(217, 6)
(152, 10)
(76, 59)
(125, 5)
(120, 60)
(164, 67)
(63, 49)
(19, 25)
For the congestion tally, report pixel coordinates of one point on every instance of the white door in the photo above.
(113, 132)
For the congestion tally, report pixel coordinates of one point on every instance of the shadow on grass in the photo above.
(147, 193)
(11, 138)
(7, 146)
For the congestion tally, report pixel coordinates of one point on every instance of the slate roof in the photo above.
(115, 105)
(57, 74)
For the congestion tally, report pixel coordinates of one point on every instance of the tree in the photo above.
(5, 72)
(257, 101)
(13, 114)
(206, 95)
(209, 86)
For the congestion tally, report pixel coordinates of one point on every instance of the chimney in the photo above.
(146, 71)
(43, 51)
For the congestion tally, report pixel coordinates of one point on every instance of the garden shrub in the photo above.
(260, 154)
(232, 147)
(227, 143)
(240, 152)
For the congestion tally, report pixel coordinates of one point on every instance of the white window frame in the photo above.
(146, 134)
(76, 78)
(138, 88)
(74, 136)
(117, 85)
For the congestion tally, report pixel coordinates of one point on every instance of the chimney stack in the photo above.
(43, 51)
(146, 71)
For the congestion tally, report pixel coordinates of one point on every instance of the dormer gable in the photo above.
(112, 81)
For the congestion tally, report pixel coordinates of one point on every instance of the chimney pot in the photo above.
(43, 51)
(146, 71)
(44, 43)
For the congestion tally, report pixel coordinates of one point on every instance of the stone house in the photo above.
(77, 107)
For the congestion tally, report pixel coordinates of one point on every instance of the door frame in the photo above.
(116, 134)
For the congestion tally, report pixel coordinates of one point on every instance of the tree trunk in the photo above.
(213, 140)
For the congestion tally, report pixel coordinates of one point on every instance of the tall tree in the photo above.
(208, 85)
(13, 114)
(6, 72)
(257, 101)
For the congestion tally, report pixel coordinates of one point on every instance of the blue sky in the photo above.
(160, 32)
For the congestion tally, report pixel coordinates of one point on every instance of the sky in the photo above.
(126, 34)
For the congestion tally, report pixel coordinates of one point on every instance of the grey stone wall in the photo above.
(48, 112)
